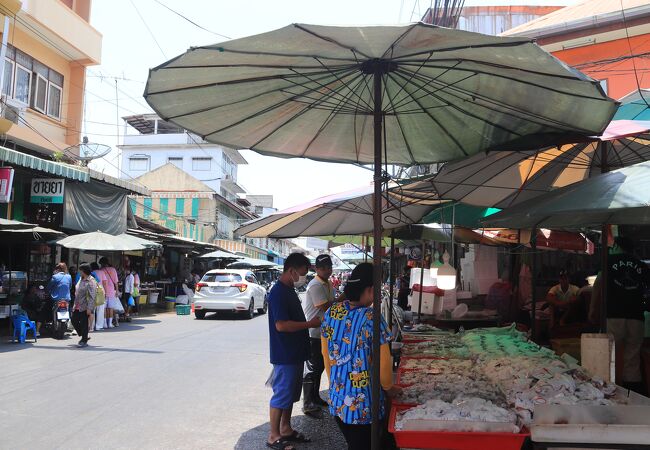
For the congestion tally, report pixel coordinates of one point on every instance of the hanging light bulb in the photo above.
(435, 264)
(446, 274)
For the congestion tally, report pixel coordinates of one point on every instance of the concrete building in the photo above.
(606, 39)
(50, 43)
(150, 143)
(495, 19)
(187, 206)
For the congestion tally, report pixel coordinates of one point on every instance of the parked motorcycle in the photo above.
(60, 318)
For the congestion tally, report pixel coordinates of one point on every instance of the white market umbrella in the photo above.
(220, 254)
(345, 213)
(9, 224)
(377, 95)
(98, 241)
(248, 263)
(138, 240)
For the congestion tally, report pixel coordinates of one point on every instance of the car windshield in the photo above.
(221, 278)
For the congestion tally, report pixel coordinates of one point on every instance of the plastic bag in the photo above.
(131, 301)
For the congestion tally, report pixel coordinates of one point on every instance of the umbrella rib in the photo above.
(333, 41)
(505, 108)
(465, 47)
(399, 123)
(256, 114)
(391, 47)
(467, 113)
(510, 78)
(327, 121)
(342, 82)
(211, 108)
(431, 116)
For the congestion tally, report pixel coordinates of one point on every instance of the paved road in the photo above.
(161, 382)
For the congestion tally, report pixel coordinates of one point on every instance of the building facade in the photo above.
(606, 39)
(150, 143)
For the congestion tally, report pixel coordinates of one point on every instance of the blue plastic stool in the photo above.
(21, 325)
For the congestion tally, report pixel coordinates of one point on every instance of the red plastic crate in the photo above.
(453, 440)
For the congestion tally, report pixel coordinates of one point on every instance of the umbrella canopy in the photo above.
(618, 197)
(634, 106)
(307, 91)
(138, 240)
(30, 234)
(459, 214)
(503, 179)
(220, 254)
(8, 224)
(98, 241)
(346, 213)
(251, 263)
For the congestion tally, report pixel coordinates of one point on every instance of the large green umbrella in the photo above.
(377, 95)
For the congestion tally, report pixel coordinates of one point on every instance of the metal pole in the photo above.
(3, 52)
(391, 280)
(604, 276)
(424, 248)
(533, 281)
(376, 309)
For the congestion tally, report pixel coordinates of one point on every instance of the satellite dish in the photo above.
(89, 150)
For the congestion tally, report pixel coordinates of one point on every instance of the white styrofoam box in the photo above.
(415, 278)
(486, 253)
(449, 300)
(481, 286)
(430, 303)
(598, 354)
(486, 269)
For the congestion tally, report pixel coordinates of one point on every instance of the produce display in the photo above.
(488, 375)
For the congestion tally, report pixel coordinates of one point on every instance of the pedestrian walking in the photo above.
(100, 318)
(110, 282)
(289, 349)
(319, 297)
(84, 304)
(127, 295)
(346, 339)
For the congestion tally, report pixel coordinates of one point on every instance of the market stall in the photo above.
(492, 388)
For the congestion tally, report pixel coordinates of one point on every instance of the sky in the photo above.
(141, 34)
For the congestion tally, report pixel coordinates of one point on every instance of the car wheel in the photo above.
(251, 310)
(199, 315)
(264, 308)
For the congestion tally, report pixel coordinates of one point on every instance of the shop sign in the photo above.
(47, 190)
(6, 183)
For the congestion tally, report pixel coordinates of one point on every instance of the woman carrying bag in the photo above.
(84, 305)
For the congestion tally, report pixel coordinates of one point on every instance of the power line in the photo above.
(191, 21)
(148, 29)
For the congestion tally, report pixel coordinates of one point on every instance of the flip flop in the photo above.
(280, 444)
(296, 436)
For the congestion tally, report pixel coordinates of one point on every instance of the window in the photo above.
(139, 163)
(39, 93)
(8, 82)
(177, 161)
(201, 164)
(54, 101)
(228, 165)
(23, 84)
(221, 278)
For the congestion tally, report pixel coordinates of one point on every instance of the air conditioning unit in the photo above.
(13, 111)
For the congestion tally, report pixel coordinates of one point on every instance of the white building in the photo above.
(150, 142)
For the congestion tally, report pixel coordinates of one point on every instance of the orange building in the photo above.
(50, 44)
(608, 40)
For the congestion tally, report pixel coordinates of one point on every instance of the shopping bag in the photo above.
(131, 301)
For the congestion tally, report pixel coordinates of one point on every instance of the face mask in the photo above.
(302, 279)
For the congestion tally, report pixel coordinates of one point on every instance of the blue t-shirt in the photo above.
(349, 343)
(59, 286)
(286, 348)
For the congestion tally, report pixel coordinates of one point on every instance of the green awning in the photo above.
(43, 165)
(461, 214)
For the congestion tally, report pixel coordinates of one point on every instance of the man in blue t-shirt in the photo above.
(289, 342)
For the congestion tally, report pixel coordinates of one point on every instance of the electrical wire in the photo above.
(191, 21)
(148, 29)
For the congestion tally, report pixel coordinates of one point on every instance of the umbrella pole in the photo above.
(604, 253)
(377, 72)
(533, 282)
(424, 248)
(391, 280)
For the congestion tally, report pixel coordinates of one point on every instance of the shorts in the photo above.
(287, 385)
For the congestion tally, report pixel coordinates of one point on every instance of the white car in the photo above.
(229, 290)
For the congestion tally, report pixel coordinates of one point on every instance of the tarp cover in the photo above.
(94, 207)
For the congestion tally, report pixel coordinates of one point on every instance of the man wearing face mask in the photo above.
(289, 344)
